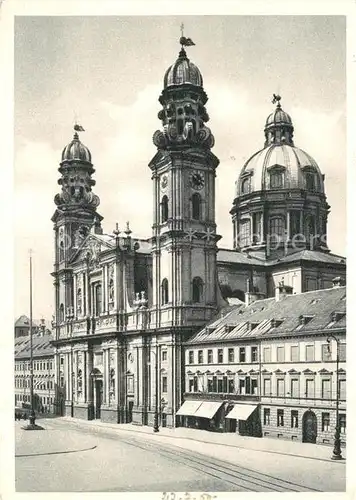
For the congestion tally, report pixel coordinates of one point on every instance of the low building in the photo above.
(269, 368)
(44, 386)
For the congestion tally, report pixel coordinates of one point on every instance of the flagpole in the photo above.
(32, 426)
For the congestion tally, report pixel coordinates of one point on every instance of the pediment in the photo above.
(90, 248)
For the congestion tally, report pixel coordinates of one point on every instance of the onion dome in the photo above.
(76, 150)
(183, 71)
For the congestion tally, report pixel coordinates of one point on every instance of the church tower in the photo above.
(184, 230)
(73, 219)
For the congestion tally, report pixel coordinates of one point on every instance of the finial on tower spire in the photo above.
(276, 99)
(185, 42)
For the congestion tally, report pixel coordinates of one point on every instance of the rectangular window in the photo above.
(242, 386)
(280, 353)
(309, 353)
(326, 389)
(210, 356)
(231, 355)
(164, 355)
(309, 388)
(342, 423)
(191, 384)
(294, 419)
(267, 386)
(294, 353)
(191, 357)
(200, 357)
(195, 384)
(248, 385)
(325, 422)
(266, 416)
(244, 236)
(231, 386)
(220, 356)
(215, 383)
(280, 387)
(325, 352)
(164, 384)
(220, 385)
(210, 385)
(294, 388)
(267, 354)
(280, 418)
(254, 386)
(242, 355)
(224, 385)
(342, 352)
(342, 390)
(253, 354)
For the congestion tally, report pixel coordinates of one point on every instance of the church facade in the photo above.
(124, 307)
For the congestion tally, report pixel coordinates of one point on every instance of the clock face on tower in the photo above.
(197, 180)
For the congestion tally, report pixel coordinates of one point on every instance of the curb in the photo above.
(100, 426)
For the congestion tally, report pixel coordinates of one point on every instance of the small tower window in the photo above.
(246, 185)
(98, 300)
(197, 289)
(245, 232)
(79, 301)
(180, 126)
(165, 291)
(164, 209)
(276, 180)
(196, 206)
(309, 228)
(61, 313)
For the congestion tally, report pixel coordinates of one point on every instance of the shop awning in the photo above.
(189, 408)
(208, 409)
(241, 412)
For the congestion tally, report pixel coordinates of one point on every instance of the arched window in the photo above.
(196, 206)
(246, 185)
(276, 180)
(165, 296)
(112, 384)
(61, 313)
(164, 209)
(98, 300)
(180, 126)
(197, 291)
(276, 226)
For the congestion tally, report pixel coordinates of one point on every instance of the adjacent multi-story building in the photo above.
(124, 307)
(46, 396)
(268, 367)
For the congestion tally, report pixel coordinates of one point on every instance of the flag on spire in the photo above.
(187, 42)
(78, 128)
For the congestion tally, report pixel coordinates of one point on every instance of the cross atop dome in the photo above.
(185, 42)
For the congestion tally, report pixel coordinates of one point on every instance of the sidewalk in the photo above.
(231, 440)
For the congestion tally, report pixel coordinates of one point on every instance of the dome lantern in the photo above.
(279, 127)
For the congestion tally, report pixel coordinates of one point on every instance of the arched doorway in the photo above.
(97, 377)
(310, 427)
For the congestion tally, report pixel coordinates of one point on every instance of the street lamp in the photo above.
(337, 444)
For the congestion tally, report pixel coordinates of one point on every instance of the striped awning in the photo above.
(208, 409)
(241, 412)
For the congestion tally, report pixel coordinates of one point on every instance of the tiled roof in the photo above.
(235, 257)
(269, 317)
(41, 347)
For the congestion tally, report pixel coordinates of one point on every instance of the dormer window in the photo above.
(276, 180)
(304, 320)
(246, 185)
(275, 323)
(310, 181)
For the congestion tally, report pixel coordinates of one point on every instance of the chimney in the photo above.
(251, 295)
(282, 291)
(338, 281)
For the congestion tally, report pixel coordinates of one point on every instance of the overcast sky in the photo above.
(108, 72)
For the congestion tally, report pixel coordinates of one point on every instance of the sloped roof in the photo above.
(259, 318)
(41, 347)
(22, 322)
(314, 256)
